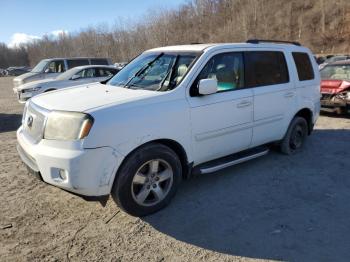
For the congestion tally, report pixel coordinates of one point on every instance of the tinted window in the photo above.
(304, 66)
(77, 62)
(227, 69)
(263, 68)
(99, 61)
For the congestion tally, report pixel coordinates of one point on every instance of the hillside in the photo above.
(322, 25)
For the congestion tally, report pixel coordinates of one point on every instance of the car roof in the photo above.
(213, 46)
(341, 62)
(93, 66)
(74, 58)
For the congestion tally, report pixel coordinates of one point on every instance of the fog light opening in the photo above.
(63, 174)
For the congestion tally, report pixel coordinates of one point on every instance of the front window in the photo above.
(154, 71)
(56, 67)
(39, 68)
(337, 72)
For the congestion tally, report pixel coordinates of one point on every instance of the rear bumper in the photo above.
(88, 172)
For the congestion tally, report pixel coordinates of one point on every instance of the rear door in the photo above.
(221, 122)
(267, 73)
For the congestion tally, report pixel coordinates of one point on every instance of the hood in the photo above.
(35, 84)
(25, 76)
(334, 86)
(88, 97)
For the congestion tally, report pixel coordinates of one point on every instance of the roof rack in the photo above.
(257, 41)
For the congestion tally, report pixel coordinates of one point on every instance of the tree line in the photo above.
(323, 26)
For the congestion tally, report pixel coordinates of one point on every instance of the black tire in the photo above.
(296, 134)
(123, 190)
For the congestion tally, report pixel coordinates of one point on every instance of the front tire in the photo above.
(295, 136)
(147, 180)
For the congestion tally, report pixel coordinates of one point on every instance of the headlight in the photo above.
(62, 125)
(31, 89)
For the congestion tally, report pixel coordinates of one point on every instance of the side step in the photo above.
(231, 160)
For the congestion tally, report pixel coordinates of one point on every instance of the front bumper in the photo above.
(88, 172)
(331, 101)
(22, 97)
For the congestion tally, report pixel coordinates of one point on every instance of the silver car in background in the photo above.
(73, 77)
(53, 67)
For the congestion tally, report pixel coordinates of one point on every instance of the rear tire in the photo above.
(296, 134)
(147, 180)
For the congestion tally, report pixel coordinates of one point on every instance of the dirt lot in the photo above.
(276, 207)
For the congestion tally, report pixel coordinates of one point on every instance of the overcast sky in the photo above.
(22, 20)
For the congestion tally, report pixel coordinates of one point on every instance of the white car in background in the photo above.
(73, 77)
(53, 67)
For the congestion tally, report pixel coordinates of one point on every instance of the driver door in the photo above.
(221, 122)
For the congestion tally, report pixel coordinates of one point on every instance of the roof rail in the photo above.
(257, 41)
(196, 43)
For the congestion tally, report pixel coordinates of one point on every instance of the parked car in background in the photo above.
(51, 68)
(335, 86)
(333, 59)
(171, 112)
(73, 77)
(17, 70)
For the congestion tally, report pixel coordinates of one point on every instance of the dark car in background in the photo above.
(335, 86)
(17, 70)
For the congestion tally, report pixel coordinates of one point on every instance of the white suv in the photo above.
(171, 112)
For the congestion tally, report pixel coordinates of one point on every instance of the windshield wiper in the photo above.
(142, 70)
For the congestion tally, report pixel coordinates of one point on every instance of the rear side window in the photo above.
(77, 62)
(304, 66)
(99, 61)
(263, 68)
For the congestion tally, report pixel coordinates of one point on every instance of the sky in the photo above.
(23, 20)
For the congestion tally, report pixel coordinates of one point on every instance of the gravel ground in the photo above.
(273, 208)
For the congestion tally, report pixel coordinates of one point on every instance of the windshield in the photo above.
(40, 67)
(68, 74)
(154, 71)
(338, 72)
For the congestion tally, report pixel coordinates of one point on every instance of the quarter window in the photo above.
(265, 68)
(226, 68)
(304, 66)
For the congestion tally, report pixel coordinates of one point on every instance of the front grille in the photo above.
(34, 122)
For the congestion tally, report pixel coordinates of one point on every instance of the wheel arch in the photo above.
(173, 145)
(307, 114)
(49, 89)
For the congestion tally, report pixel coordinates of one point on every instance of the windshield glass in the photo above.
(68, 74)
(40, 66)
(154, 71)
(338, 72)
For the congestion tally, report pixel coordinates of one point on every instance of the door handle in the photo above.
(289, 94)
(244, 104)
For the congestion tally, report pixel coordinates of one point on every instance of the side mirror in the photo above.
(75, 77)
(47, 70)
(207, 86)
